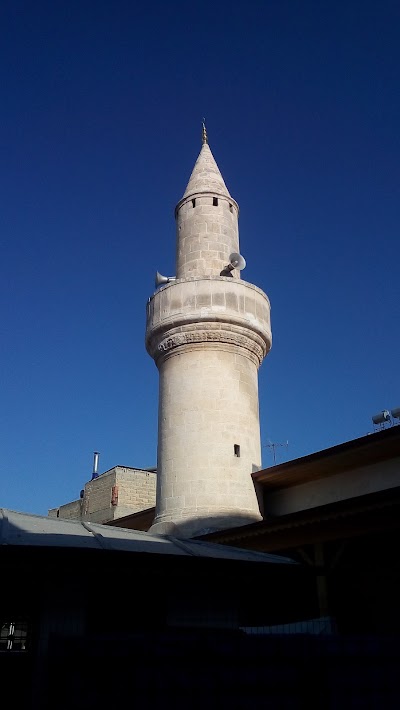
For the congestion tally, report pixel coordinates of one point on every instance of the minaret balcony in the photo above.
(196, 311)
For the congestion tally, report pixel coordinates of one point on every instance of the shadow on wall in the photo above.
(197, 526)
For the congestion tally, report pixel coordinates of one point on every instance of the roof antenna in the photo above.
(204, 138)
(95, 473)
(273, 446)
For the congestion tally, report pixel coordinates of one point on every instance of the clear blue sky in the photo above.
(101, 106)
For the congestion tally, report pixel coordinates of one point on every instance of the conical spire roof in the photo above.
(206, 176)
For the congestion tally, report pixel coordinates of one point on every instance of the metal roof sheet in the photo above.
(23, 529)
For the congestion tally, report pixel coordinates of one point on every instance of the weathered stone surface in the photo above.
(206, 176)
(208, 334)
(206, 222)
(208, 310)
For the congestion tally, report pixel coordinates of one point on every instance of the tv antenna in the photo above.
(274, 446)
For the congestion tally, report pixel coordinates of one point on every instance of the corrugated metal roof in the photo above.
(23, 529)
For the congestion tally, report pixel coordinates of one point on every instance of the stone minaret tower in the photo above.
(208, 332)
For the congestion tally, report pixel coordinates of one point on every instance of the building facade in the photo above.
(116, 493)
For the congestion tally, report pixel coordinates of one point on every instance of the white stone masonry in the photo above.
(208, 334)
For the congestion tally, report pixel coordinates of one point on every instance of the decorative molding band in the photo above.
(189, 337)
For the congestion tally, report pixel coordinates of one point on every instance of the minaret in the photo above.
(208, 332)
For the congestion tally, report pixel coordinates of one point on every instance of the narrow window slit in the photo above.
(215, 201)
(194, 202)
(230, 207)
(236, 450)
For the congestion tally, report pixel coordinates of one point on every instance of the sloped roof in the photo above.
(22, 529)
(373, 512)
(206, 176)
(371, 448)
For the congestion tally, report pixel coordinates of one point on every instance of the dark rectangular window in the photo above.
(194, 202)
(215, 201)
(236, 450)
(14, 635)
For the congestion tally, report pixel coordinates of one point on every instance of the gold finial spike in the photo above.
(204, 132)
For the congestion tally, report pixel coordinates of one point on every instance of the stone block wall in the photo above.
(136, 490)
(69, 511)
(118, 492)
(207, 233)
(97, 506)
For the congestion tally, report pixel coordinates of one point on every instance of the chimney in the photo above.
(95, 465)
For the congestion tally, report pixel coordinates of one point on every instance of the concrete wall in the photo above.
(348, 484)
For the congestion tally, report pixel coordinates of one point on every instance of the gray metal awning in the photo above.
(23, 529)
